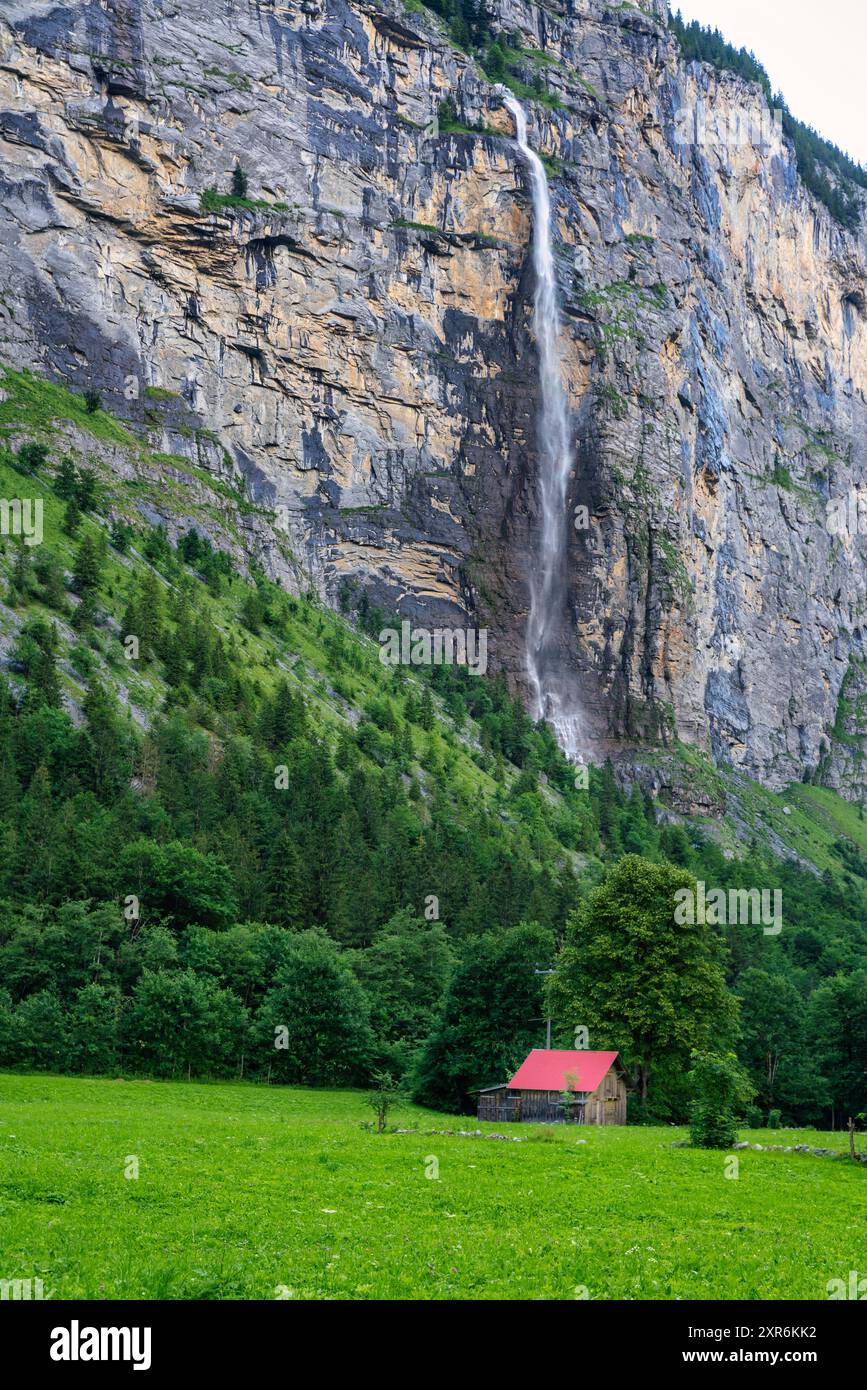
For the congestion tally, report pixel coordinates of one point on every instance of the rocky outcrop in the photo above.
(356, 343)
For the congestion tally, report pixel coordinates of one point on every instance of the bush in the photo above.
(41, 1032)
(92, 401)
(120, 537)
(382, 1098)
(774, 1119)
(83, 661)
(719, 1087)
(447, 114)
(30, 458)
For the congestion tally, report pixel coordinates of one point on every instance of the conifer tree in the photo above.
(284, 884)
(21, 570)
(37, 651)
(40, 848)
(72, 517)
(426, 713)
(104, 747)
(239, 182)
(65, 480)
(86, 570)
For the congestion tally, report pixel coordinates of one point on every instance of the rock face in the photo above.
(357, 345)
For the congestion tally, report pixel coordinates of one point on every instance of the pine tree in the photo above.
(40, 848)
(86, 578)
(284, 884)
(406, 746)
(37, 651)
(175, 663)
(9, 789)
(72, 517)
(130, 626)
(86, 570)
(426, 713)
(52, 579)
(120, 537)
(104, 752)
(144, 616)
(65, 480)
(86, 489)
(21, 570)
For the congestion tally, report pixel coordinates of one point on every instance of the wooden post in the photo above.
(851, 1128)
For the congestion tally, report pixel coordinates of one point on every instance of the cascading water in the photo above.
(553, 692)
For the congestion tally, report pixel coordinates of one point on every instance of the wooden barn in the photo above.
(551, 1087)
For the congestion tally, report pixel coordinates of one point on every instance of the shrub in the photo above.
(65, 478)
(382, 1097)
(447, 115)
(31, 457)
(718, 1088)
(774, 1119)
(92, 401)
(120, 537)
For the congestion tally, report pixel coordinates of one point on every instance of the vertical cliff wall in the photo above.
(354, 342)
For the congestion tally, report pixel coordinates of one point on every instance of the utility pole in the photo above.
(549, 971)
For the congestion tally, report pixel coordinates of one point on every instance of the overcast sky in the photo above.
(815, 53)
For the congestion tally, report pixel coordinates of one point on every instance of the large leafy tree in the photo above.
(404, 972)
(313, 1027)
(178, 882)
(41, 1031)
(94, 1029)
(642, 983)
(180, 1023)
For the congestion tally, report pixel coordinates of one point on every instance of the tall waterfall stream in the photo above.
(554, 696)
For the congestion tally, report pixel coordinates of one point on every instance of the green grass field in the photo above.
(243, 1189)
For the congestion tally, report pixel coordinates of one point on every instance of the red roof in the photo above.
(561, 1071)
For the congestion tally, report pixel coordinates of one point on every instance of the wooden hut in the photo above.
(554, 1086)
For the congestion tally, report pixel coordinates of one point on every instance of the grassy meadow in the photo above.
(255, 1192)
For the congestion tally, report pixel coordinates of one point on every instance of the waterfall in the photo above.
(552, 687)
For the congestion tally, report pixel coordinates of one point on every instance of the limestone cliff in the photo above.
(355, 344)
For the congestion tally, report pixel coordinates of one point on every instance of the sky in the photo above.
(814, 52)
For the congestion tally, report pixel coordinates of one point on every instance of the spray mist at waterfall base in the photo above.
(552, 687)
